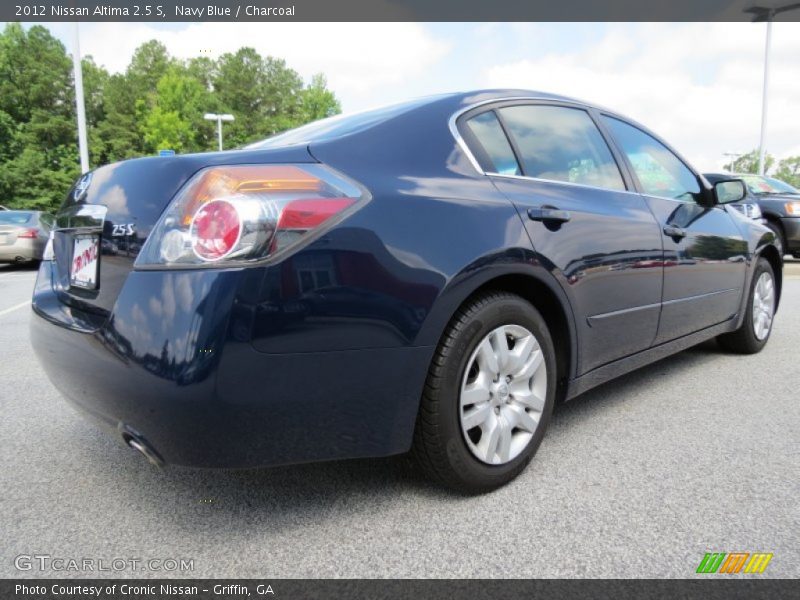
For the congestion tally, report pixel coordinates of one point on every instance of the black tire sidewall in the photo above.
(762, 266)
(505, 311)
(779, 239)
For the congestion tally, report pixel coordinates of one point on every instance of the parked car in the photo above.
(23, 235)
(778, 204)
(431, 276)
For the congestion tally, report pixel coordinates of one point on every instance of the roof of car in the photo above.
(499, 94)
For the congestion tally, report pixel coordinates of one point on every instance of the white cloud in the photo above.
(357, 58)
(698, 84)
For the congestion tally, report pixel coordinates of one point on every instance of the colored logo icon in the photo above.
(734, 562)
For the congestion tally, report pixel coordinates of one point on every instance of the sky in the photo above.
(698, 85)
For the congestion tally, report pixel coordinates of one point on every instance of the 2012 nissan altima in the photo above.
(432, 276)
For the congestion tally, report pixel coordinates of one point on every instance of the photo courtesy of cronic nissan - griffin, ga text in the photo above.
(430, 277)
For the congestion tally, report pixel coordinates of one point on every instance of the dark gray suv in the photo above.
(779, 203)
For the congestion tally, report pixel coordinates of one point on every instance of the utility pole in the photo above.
(760, 14)
(83, 147)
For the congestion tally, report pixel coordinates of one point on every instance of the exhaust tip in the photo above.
(144, 449)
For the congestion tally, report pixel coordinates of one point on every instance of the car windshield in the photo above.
(338, 126)
(767, 185)
(14, 217)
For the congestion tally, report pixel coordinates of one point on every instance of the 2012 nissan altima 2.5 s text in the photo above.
(428, 277)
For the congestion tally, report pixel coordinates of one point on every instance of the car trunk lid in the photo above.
(109, 213)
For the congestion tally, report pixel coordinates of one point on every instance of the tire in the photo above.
(747, 339)
(780, 240)
(464, 460)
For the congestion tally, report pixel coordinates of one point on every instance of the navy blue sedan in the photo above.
(428, 277)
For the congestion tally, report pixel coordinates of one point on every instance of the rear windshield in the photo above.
(338, 126)
(13, 217)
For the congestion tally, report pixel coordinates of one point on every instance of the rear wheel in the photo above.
(489, 394)
(756, 327)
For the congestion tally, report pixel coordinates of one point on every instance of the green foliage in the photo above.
(157, 103)
(748, 163)
(174, 121)
(789, 171)
(317, 101)
(39, 154)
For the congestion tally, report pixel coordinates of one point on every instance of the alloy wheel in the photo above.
(763, 305)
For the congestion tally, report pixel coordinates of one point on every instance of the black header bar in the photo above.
(704, 587)
(395, 10)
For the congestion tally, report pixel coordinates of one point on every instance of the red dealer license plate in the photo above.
(85, 254)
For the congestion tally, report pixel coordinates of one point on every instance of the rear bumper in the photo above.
(180, 377)
(791, 229)
(22, 250)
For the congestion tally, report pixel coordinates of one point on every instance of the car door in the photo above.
(598, 238)
(704, 251)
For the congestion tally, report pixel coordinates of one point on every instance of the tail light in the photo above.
(28, 233)
(244, 213)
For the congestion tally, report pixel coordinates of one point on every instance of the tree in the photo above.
(175, 120)
(157, 103)
(150, 62)
(748, 163)
(317, 101)
(118, 133)
(37, 116)
(789, 171)
(95, 80)
(262, 93)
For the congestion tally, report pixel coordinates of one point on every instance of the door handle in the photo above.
(549, 213)
(674, 232)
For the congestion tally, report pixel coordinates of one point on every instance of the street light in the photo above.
(760, 14)
(219, 119)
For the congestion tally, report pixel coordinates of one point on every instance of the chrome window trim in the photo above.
(559, 182)
(465, 149)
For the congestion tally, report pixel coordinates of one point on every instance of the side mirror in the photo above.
(730, 190)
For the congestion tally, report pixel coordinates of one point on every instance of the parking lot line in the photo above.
(13, 308)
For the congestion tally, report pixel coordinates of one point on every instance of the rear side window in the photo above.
(13, 217)
(659, 171)
(490, 135)
(561, 144)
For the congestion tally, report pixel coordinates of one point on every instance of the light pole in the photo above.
(766, 13)
(732, 156)
(83, 147)
(219, 119)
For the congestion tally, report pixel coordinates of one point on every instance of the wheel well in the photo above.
(776, 221)
(771, 254)
(548, 304)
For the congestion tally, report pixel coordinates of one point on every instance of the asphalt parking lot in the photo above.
(638, 478)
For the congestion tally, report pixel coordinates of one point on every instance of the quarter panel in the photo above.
(375, 280)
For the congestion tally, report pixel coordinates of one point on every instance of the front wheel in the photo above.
(489, 394)
(756, 327)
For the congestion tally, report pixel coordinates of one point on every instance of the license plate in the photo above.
(85, 254)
